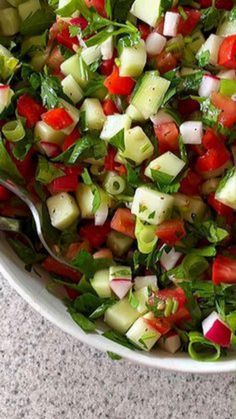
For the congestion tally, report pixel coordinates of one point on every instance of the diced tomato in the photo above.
(190, 184)
(71, 139)
(99, 6)
(224, 270)
(167, 135)
(30, 109)
(185, 27)
(144, 30)
(72, 294)
(211, 139)
(5, 194)
(63, 36)
(53, 266)
(111, 165)
(213, 159)
(166, 61)
(95, 235)
(14, 209)
(162, 325)
(171, 231)
(55, 59)
(75, 248)
(227, 107)
(68, 183)
(220, 208)
(177, 294)
(118, 85)
(124, 222)
(227, 52)
(106, 66)
(79, 21)
(187, 106)
(57, 118)
(109, 107)
(74, 170)
(181, 315)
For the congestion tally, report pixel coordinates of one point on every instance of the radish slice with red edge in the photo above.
(120, 287)
(169, 259)
(170, 342)
(216, 330)
(209, 84)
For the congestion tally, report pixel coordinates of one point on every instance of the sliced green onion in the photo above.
(13, 130)
(114, 184)
(146, 237)
(194, 265)
(168, 307)
(202, 349)
(175, 306)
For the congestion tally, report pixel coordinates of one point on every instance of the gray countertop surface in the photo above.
(46, 374)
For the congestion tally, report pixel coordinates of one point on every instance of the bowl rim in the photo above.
(180, 364)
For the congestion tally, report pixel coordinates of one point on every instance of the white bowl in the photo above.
(32, 289)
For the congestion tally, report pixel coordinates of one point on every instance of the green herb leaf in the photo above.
(118, 9)
(203, 58)
(114, 356)
(37, 22)
(86, 325)
(87, 265)
(133, 177)
(50, 89)
(46, 171)
(26, 253)
(210, 231)
(118, 140)
(118, 338)
(134, 302)
(7, 166)
(210, 18)
(101, 309)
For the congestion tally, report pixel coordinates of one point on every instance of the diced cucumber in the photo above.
(77, 68)
(149, 93)
(72, 89)
(63, 210)
(138, 147)
(142, 334)
(212, 45)
(191, 208)
(31, 43)
(63, 3)
(142, 295)
(91, 54)
(118, 243)
(134, 114)
(133, 60)
(45, 133)
(152, 206)
(9, 22)
(167, 163)
(114, 124)
(100, 283)
(85, 197)
(226, 27)
(120, 272)
(228, 87)
(27, 8)
(226, 191)
(121, 315)
(38, 60)
(94, 115)
(149, 13)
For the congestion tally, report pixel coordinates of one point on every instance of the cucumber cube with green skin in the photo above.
(120, 272)
(77, 68)
(142, 334)
(121, 315)
(167, 163)
(226, 191)
(91, 54)
(9, 22)
(27, 8)
(94, 115)
(114, 124)
(100, 283)
(42, 131)
(134, 114)
(63, 210)
(148, 14)
(138, 147)
(226, 28)
(118, 243)
(228, 87)
(191, 208)
(133, 60)
(72, 89)
(85, 197)
(149, 93)
(152, 206)
(142, 295)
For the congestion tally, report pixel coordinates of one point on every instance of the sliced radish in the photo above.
(161, 117)
(209, 84)
(4, 97)
(192, 132)
(103, 254)
(50, 149)
(170, 342)
(216, 330)
(120, 287)
(101, 214)
(155, 43)
(228, 74)
(171, 23)
(169, 260)
(145, 281)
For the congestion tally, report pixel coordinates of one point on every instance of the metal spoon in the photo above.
(36, 210)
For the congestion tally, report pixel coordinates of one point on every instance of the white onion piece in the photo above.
(209, 84)
(171, 23)
(155, 43)
(145, 281)
(120, 287)
(169, 260)
(107, 49)
(192, 132)
(101, 214)
(228, 74)
(161, 117)
(170, 343)
(4, 96)
(216, 330)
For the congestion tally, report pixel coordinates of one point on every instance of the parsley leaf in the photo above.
(37, 22)
(118, 9)
(118, 338)
(50, 89)
(87, 265)
(26, 253)
(46, 171)
(7, 165)
(86, 325)
(118, 140)
(210, 18)
(114, 356)
(211, 231)
(204, 58)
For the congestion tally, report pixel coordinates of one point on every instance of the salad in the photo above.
(120, 118)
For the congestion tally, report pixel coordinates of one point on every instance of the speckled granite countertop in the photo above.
(45, 374)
